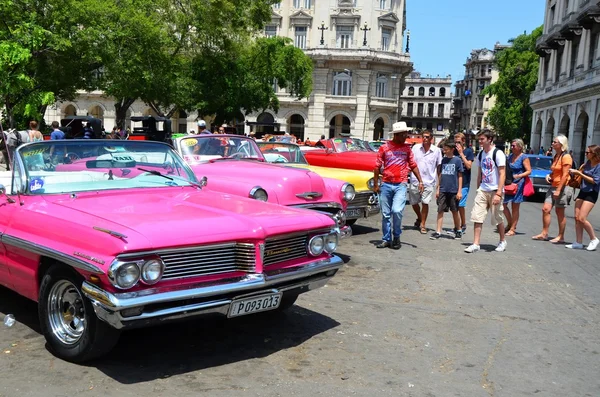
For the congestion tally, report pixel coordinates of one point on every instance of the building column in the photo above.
(316, 125)
(362, 120)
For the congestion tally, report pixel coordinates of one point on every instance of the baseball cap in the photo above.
(201, 123)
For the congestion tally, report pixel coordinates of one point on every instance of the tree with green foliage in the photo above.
(45, 54)
(518, 73)
(251, 76)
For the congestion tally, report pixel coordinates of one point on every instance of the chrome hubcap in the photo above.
(66, 312)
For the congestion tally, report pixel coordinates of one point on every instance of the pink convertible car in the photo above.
(234, 164)
(133, 238)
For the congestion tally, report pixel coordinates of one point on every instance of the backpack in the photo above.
(508, 176)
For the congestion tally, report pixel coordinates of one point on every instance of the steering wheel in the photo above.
(72, 156)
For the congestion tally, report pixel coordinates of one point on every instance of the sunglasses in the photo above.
(426, 137)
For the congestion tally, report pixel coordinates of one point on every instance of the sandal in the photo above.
(540, 237)
(557, 241)
(510, 233)
(423, 230)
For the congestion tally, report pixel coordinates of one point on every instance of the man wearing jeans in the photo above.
(396, 159)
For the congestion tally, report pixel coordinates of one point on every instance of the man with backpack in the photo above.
(491, 175)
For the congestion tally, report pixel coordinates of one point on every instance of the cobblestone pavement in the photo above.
(427, 320)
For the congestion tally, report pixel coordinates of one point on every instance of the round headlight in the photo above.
(152, 271)
(371, 184)
(258, 193)
(347, 192)
(331, 242)
(126, 275)
(316, 245)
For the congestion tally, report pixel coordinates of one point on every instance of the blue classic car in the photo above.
(540, 168)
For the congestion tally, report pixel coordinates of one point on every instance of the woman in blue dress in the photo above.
(521, 167)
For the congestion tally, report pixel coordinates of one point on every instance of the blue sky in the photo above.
(443, 32)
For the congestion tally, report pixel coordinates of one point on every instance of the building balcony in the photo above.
(362, 55)
(589, 14)
(457, 98)
(341, 101)
(383, 103)
(585, 80)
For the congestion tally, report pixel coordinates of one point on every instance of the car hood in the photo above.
(181, 216)
(358, 178)
(539, 173)
(285, 183)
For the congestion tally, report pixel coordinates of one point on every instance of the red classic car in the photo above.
(121, 240)
(341, 153)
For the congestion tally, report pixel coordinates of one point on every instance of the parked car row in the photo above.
(108, 236)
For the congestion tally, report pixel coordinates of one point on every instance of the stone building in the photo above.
(471, 106)
(426, 103)
(566, 99)
(359, 68)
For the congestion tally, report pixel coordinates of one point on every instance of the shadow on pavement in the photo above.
(24, 310)
(358, 229)
(161, 352)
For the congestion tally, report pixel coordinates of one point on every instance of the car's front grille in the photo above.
(209, 260)
(361, 199)
(282, 249)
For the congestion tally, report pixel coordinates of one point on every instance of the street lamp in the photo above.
(365, 29)
(322, 29)
(366, 102)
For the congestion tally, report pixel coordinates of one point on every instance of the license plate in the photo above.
(543, 189)
(354, 213)
(254, 305)
(373, 208)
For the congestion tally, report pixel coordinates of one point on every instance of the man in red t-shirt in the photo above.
(395, 160)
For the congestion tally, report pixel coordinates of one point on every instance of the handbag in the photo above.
(511, 189)
(528, 189)
(575, 180)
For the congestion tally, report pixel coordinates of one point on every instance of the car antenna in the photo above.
(10, 199)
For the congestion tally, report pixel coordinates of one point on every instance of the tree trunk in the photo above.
(121, 108)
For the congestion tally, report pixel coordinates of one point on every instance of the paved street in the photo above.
(428, 320)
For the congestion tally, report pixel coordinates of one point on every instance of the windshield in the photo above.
(68, 166)
(202, 148)
(348, 145)
(540, 163)
(275, 152)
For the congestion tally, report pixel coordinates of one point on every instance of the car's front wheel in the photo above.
(67, 318)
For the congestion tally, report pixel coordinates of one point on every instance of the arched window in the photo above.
(381, 86)
(342, 83)
(432, 91)
(411, 91)
(442, 91)
(421, 91)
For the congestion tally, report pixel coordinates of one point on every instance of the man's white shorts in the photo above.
(414, 197)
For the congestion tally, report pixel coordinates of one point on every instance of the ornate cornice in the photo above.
(345, 16)
(388, 20)
(301, 18)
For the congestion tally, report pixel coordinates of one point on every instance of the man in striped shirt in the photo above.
(395, 160)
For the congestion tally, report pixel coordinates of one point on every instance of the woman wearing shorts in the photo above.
(588, 195)
(556, 196)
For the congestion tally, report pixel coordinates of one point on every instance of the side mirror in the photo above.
(328, 150)
(2, 190)
(204, 181)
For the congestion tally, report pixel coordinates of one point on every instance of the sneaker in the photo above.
(396, 244)
(457, 234)
(472, 248)
(435, 236)
(574, 246)
(463, 229)
(593, 245)
(383, 244)
(501, 246)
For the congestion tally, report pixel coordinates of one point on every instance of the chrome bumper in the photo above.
(344, 232)
(155, 306)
